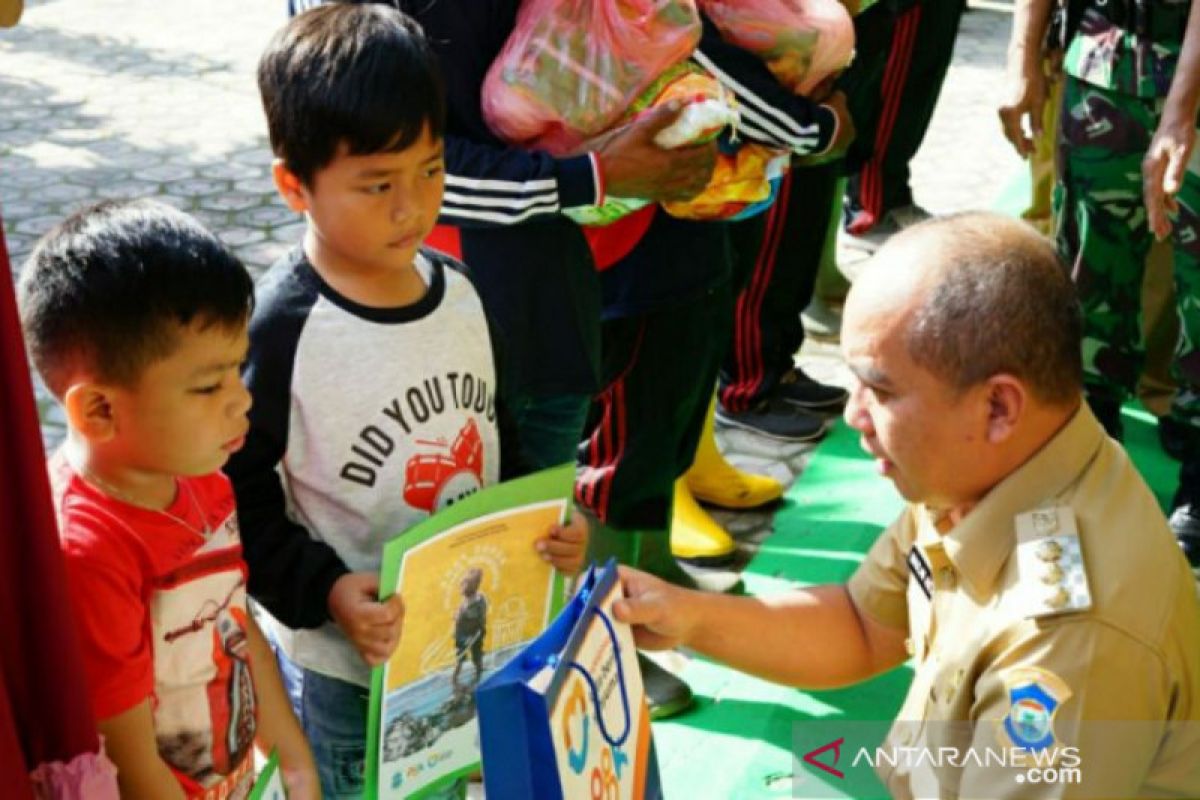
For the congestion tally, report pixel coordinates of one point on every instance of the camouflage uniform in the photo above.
(1119, 66)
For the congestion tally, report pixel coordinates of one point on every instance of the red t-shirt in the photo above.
(161, 612)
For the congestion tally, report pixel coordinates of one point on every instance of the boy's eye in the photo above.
(220, 384)
(377, 188)
(433, 171)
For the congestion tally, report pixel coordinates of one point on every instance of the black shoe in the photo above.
(1185, 513)
(1108, 413)
(1178, 439)
(799, 389)
(776, 419)
(666, 694)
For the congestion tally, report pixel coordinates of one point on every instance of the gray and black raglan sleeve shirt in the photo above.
(365, 421)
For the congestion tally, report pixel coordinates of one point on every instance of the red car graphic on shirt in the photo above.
(436, 481)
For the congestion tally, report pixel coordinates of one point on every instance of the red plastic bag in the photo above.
(573, 68)
(803, 42)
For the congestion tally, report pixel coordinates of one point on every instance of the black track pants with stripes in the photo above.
(644, 426)
(775, 256)
(892, 86)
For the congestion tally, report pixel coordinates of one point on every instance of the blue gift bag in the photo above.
(566, 718)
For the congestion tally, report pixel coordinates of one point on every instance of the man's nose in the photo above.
(855, 414)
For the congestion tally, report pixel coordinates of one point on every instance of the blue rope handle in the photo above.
(612, 633)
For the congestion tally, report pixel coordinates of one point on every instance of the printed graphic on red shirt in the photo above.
(434, 481)
(204, 703)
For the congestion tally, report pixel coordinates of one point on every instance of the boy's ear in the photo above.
(89, 410)
(290, 187)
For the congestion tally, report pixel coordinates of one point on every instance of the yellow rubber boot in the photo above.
(714, 480)
(695, 536)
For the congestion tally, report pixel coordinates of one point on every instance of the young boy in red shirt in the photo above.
(136, 320)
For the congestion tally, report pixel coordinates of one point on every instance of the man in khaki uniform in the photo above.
(1032, 577)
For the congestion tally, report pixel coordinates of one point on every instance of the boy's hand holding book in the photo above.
(565, 545)
(373, 626)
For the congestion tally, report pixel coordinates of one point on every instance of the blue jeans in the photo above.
(550, 428)
(333, 714)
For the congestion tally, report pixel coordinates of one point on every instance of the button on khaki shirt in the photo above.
(1060, 607)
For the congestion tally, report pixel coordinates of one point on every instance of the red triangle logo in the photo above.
(836, 746)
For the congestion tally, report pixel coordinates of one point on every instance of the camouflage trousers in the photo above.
(1104, 237)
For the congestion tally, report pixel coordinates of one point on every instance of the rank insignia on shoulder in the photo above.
(1034, 696)
(1053, 577)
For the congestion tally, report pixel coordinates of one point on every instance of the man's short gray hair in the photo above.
(1001, 303)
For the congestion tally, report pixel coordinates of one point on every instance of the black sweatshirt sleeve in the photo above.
(770, 114)
(490, 185)
(290, 572)
(512, 461)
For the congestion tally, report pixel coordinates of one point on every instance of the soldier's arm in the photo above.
(1026, 78)
(1171, 148)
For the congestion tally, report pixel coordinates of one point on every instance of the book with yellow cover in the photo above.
(475, 592)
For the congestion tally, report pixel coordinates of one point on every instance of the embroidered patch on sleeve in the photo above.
(1034, 696)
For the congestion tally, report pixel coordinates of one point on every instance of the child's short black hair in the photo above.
(359, 74)
(106, 290)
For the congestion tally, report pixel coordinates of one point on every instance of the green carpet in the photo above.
(737, 743)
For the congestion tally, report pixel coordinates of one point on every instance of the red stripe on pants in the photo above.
(748, 314)
(593, 487)
(894, 81)
(622, 437)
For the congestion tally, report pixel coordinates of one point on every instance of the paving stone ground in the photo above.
(135, 98)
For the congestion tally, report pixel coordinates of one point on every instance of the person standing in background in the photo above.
(1127, 133)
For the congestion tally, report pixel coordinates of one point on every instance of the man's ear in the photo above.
(89, 409)
(290, 187)
(1007, 400)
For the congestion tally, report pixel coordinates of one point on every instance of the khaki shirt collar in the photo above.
(980, 544)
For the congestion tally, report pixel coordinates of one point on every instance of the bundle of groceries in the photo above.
(574, 69)
(803, 42)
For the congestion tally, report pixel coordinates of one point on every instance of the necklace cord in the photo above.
(205, 532)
